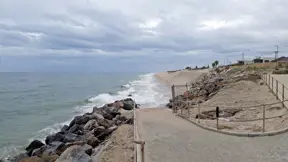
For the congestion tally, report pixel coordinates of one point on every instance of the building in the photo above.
(282, 59)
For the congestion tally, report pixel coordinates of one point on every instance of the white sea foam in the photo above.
(146, 91)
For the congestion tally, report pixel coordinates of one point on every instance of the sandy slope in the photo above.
(180, 77)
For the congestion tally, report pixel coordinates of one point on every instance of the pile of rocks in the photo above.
(84, 133)
(206, 86)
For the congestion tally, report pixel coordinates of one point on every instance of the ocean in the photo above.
(34, 105)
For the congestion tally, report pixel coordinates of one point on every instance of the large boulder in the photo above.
(33, 145)
(104, 122)
(99, 130)
(74, 154)
(65, 128)
(82, 119)
(92, 140)
(70, 137)
(90, 125)
(73, 129)
(55, 137)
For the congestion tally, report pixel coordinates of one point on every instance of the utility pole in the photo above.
(276, 52)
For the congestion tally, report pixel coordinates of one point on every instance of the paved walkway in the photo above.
(172, 139)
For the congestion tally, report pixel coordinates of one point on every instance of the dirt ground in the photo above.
(245, 94)
(120, 146)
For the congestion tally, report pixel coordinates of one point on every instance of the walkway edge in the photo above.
(272, 133)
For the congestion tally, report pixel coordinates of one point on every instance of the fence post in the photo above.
(188, 110)
(269, 81)
(173, 98)
(217, 117)
(283, 95)
(272, 85)
(277, 89)
(263, 126)
(198, 113)
(142, 151)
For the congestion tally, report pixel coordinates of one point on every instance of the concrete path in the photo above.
(172, 139)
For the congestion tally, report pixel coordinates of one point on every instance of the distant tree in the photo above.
(213, 64)
(188, 68)
(208, 66)
(216, 63)
(196, 67)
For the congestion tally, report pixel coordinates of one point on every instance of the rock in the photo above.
(55, 137)
(97, 110)
(127, 114)
(90, 125)
(97, 116)
(73, 129)
(32, 159)
(32, 146)
(64, 128)
(70, 137)
(81, 119)
(102, 136)
(88, 149)
(92, 140)
(49, 157)
(74, 154)
(119, 104)
(61, 148)
(113, 128)
(38, 152)
(108, 116)
(104, 122)
(99, 130)
(127, 106)
(18, 158)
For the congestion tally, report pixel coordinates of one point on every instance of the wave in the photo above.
(146, 91)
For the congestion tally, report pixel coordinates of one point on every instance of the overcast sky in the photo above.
(137, 35)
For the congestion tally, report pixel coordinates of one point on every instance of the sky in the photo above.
(137, 35)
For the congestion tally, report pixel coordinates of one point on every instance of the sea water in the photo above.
(34, 105)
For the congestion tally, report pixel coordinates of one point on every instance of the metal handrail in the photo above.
(139, 155)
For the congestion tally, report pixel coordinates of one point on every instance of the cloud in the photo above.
(136, 28)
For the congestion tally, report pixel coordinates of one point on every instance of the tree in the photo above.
(216, 63)
(213, 64)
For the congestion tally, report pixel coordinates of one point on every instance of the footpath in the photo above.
(172, 139)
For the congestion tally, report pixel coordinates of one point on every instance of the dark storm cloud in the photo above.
(202, 29)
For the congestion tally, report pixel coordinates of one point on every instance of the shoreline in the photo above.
(85, 133)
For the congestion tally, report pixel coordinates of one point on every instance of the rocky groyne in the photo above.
(80, 140)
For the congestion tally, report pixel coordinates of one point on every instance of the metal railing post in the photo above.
(217, 117)
(283, 95)
(269, 80)
(263, 125)
(198, 107)
(272, 85)
(277, 89)
(173, 98)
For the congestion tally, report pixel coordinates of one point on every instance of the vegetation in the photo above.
(215, 63)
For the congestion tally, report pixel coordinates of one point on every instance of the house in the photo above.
(282, 59)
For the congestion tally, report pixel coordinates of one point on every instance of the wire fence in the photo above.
(183, 106)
